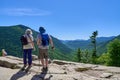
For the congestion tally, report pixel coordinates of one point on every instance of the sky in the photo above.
(64, 19)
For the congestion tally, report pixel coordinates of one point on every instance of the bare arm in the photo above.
(38, 41)
(51, 42)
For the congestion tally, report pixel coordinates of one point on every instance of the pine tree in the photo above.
(93, 41)
(79, 55)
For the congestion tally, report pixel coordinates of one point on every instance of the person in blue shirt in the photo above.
(43, 42)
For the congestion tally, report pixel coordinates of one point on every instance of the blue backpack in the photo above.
(45, 39)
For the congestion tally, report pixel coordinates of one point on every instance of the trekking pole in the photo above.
(51, 62)
(37, 72)
(39, 64)
(22, 51)
(39, 61)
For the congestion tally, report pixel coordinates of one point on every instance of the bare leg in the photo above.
(46, 62)
(42, 61)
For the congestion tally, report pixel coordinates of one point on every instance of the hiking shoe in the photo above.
(43, 69)
(28, 68)
(46, 69)
(23, 68)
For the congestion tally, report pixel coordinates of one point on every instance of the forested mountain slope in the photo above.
(10, 41)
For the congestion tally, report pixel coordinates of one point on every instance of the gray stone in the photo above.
(9, 63)
(34, 57)
(106, 75)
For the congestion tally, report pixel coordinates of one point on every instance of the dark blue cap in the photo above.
(42, 30)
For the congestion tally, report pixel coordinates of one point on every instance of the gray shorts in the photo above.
(43, 53)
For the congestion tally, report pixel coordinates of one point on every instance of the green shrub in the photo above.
(104, 59)
(114, 53)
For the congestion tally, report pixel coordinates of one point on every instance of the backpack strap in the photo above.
(30, 40)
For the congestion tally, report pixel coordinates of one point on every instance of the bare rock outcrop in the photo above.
(58, 70)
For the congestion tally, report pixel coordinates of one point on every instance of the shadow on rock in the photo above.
(18, 75)
(41, 76)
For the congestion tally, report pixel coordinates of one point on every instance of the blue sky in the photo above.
(64, 19)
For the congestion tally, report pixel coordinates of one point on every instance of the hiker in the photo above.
(43, 41)
(27, 49)
(4, 53)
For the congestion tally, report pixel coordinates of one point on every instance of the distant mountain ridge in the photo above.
(10, 41)
(86, 44)
(80, 43)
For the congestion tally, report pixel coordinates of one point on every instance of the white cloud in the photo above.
(24, 12)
